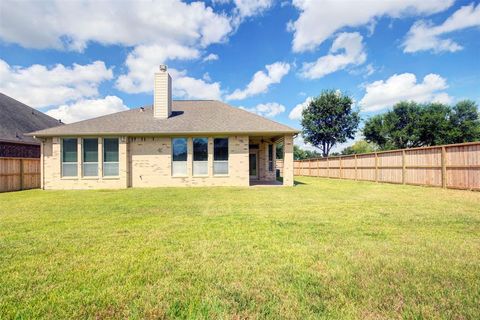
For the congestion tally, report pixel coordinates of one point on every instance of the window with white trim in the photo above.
(220, 156)
(179, 157)
(69, 157)
(200, 156)
(90, 157)
(270, 157)
(110, 157)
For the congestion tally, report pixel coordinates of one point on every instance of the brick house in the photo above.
(16, 119)
(172, 143)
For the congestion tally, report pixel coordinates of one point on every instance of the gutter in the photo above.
(160, 134)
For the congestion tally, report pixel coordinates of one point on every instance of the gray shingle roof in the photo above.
(17, 118)
(188, 117)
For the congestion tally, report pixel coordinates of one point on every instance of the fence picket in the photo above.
(454, 166)
(19, 174)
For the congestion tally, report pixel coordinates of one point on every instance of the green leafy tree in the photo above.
(410, 124)
(360, 146)
(279, 150)
(329, 119)
(465, 122)
(434, 124)
(300, 154)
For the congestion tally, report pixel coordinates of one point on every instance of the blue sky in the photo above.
(81, 59)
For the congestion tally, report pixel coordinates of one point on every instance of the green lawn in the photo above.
(323, 249)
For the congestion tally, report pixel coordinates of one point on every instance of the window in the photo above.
(220, 156)
(270, 157)
(69, 157)
(179, 157)
(90, 157)
(110, 157)
(200, 156)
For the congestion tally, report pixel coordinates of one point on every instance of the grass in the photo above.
(323, 249)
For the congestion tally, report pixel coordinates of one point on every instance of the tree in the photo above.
(434, 124)
(410, 124)
(300, 154)
(279, 150)
(465, 121)
(329, 119)
(358, 147)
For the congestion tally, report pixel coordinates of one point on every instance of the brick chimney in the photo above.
(162, 94)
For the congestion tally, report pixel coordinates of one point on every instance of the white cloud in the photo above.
(383, 94)
(158, 31)
(71, 25)
(186, 87)
(270, 109)
(369, 70)
(296, 113)
(319, 20)
(261, 81)
(206, 77)
(365, 71)
(211, 57)
(143, 62)
(86, 109)
(347, 49)
(423, 35)
(40, 86)
(442, 98)
(248, 8)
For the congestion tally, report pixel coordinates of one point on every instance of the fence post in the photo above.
(318, 167)
(376, 167)
(328, 167)
(404, 167)
(341, 169)
(444, 167)
(21, 174)
(356, 167)
(309, 167)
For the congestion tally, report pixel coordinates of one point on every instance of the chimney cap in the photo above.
(163, 67)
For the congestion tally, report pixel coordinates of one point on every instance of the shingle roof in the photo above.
(17, 118)
(188, 117)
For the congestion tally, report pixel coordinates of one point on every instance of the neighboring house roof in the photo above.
(188, 117)
(17, 118)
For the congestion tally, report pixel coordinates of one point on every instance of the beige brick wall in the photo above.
(263, 173)
(51, 168)
(146, 162)
(151, 164)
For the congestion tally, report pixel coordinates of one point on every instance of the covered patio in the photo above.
(261, 161)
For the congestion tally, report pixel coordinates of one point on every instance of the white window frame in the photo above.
(221, 161)
(69, 163)
(271, 167)
(84, 163)
(197, 163)
(183, 163)
(110, 162)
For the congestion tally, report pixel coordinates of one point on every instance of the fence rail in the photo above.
(455, 166)
(19, 174)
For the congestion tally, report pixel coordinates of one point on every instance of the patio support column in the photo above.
(288, 160)
(123, 159)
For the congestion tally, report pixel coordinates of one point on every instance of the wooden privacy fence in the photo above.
(454, 166)
(19, 174)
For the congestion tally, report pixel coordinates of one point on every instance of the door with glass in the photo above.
(253, 165)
